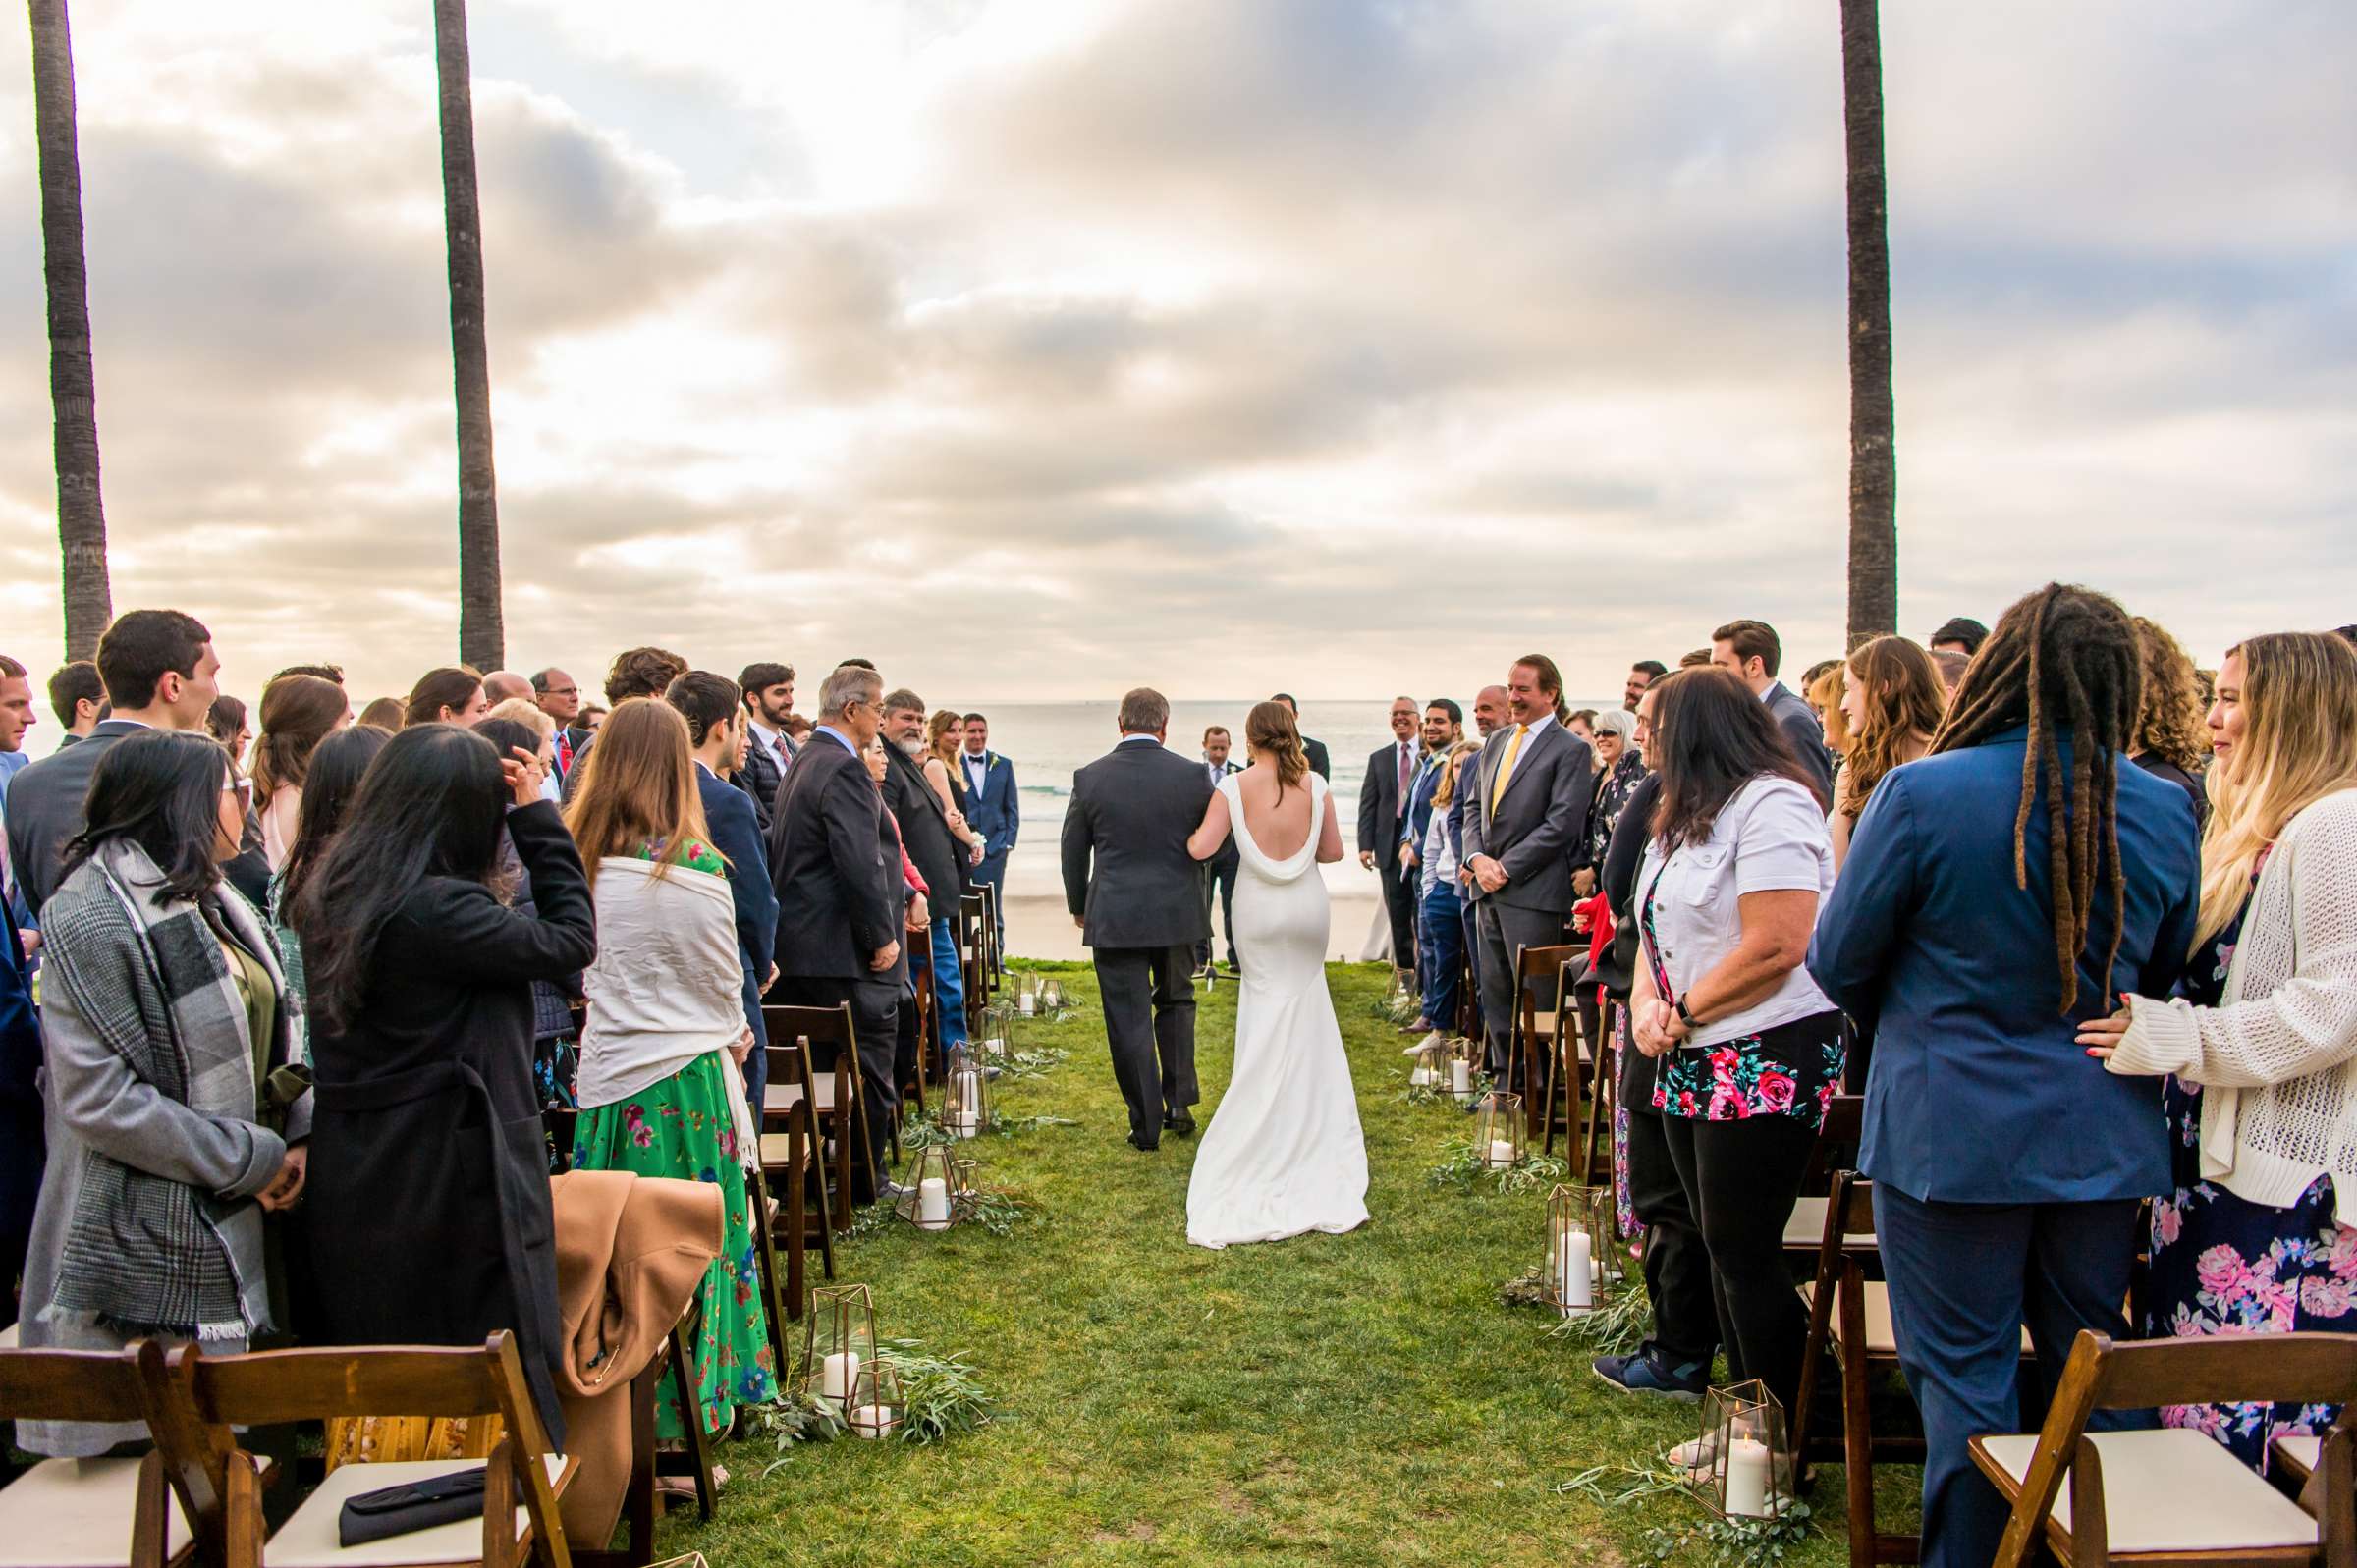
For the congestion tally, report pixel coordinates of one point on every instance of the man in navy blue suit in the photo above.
(716, 728)
(993, 807)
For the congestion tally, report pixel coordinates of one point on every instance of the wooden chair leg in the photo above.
(691, 1416)
(809, 1176)
(2090, 1529)
(766, 1249)
(1857, 1426)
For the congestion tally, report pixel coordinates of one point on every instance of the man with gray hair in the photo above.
(1136, 894)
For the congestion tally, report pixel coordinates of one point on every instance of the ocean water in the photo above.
(1049, 742)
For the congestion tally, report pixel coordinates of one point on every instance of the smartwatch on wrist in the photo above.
(1684, 1016)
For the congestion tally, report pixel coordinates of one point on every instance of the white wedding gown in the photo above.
(1283, 1155)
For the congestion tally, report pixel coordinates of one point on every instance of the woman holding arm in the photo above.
(944, 740)
(2260, 1038)
(429, 1194)
(1891, 701)
(174, 1124)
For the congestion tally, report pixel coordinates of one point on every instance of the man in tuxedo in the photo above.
(841, 902)
(1319, 763)
(716, 729)
(1137, 895)
(1219, 872)
(1754, 652)
(1382, 824)
(993, 807)
(559, 695)
(160, 674)
(926, 832)
(1532, 786)
(769, 751)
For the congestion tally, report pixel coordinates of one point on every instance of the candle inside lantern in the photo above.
(836, 1373)
(1747, 1479)
(875, 1421)
(1421, 1077)
(966, 1092)
(1028, 1004)
(1501, 1152)
(1460, 1076)
(933, 1203)
(1575, 1273)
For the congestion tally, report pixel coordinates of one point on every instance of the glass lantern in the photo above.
(1603, 1223)
(964, 1094)
(995, 1036)
(965, 1187)
(839, 1339)
(1573, 1277)
(1740, 1465)
(1051, 998)
(931, 1202)
(1027, 995)
(1498, 1130)
(1432, 1068)
(878, 1406)
(1462, 1061)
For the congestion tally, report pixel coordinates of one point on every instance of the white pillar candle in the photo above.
(1460, 1076)
(1029, 1004)
(836, 1373)
(1574, 1282)
(875, 1421)
(1501, 1152)
(1747, 1479)
(933, 1203)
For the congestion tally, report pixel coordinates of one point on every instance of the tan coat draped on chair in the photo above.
(631, 1252)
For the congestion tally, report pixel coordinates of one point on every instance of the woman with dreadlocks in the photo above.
(2261, 1035)
(1995, 895)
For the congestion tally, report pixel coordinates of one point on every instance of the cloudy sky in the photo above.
(1036, 349)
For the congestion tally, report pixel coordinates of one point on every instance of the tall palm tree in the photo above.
(483, 634)
(1873, 424)
(73, 386)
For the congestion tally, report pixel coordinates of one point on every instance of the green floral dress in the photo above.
(680, 1128)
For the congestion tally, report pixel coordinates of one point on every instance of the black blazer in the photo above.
(838, 902)
(44, 809)
(759, 779)
(1126, 872)
(1534, 831)
(924, 829)
(1319, 763)
(1806, 735)
(729, 819)
(1379, 803)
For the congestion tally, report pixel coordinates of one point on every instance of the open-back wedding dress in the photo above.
(1283, 1155)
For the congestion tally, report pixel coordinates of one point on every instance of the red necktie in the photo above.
(564, 752)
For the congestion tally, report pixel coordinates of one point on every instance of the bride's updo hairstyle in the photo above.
(1270, 730)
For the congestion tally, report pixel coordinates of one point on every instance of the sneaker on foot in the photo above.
(1436, 1037)
(1644, 1373)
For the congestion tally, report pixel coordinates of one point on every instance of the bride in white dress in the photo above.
(1283, 1155)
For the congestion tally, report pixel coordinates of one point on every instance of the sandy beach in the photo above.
(1041, 928)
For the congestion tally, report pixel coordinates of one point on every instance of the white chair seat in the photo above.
(309, 1539)
(1805, 1230)
(776, 1150)
(1881, 1335)
(2301, 1454)
(76, 1513)
(8, 1338)
(2173, 1490)
(779, 1097)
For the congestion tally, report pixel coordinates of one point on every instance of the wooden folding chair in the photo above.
(994, 938)
(790, 1160)
(2175, 1496)
(1588, 1120)
(522, 1479)
(93, 1512)
(973, 947)
(832, 1092)
(1836, 1151)
(1536, 1030)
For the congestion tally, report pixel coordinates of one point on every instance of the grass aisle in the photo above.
(1355, 1399)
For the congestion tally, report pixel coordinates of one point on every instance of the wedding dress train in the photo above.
(1284, 1153)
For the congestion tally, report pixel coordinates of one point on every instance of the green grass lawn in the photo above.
(1352, 1399)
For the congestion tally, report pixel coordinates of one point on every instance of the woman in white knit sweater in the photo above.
(2261, 1234)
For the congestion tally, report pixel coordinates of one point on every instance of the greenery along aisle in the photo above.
(1355, 1399)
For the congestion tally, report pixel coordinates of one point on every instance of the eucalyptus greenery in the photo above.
(1462, 1163)
(941, 1394)
(1734, 1543)
(1619, 1324)
(1001, 1210)
(1033, 1062)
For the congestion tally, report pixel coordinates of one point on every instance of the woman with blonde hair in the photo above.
(2260, 1039)
(1891, 701)
(2169, 740)
(660, 1088)
(944, 738)
(298, 712)
(1826, 693)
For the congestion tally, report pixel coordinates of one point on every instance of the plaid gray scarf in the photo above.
(144, 1252)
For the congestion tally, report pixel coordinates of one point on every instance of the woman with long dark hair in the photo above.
(332, 775)
(173, 1126)
(1995, 895)
(299, 712)
(1748, 1049)
(1890, 701)
(431, 1189)
(451, 695)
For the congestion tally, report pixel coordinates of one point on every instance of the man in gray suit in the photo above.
(1533, 784)
(1136, 894)
(160, 674)
(1754, 652)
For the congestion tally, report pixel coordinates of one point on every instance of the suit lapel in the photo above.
(1530, 754)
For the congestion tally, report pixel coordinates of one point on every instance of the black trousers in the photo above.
(1399, 902)
(1505, 932)
(1219, 876)
(1678, 1268)
(1740, 1179)
(876, 1020)
(1149, 998)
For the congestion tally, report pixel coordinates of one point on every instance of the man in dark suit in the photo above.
(1382, 822)
(559, 695)
(840, 902)
(1319, 763)
(1136, 894)
(1533, 784)
(1219, 872)
(769, 752)
(940, 857)
(716, 729)
(993, 805)
(160, 674)
(1754, 652)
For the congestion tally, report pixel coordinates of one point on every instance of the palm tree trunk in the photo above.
(72, 385)
(482, 635)
(1873, 423)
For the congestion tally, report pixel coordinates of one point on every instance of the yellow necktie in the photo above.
(1506, 768)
